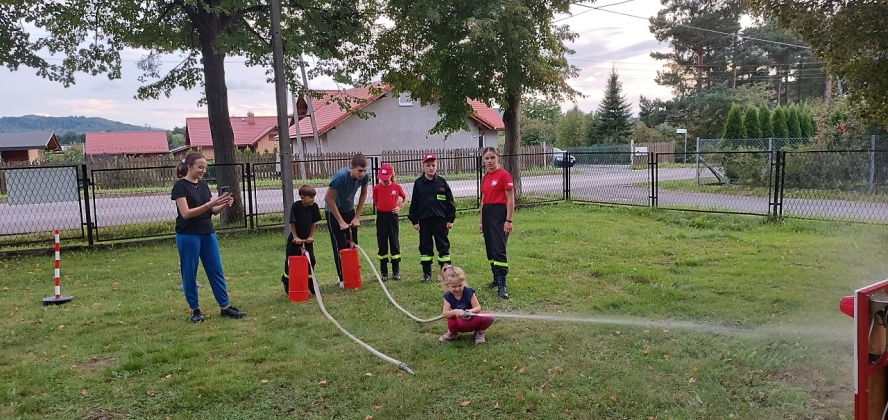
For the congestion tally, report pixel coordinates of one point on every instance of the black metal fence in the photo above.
(101, 205)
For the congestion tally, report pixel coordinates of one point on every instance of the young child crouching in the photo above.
(461, 306)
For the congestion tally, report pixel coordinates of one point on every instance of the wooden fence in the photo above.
(667, 147)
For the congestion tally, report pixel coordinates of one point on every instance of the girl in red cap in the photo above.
(389, 198)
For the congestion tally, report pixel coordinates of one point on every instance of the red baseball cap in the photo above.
(385, 172)
(428, 157)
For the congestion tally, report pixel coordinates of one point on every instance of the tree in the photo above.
(764, 116)
(778, 122)
(571, 128)
(541, 109)
(734, 128)
(175, 140)
(751, 123)
(497, 51)
(535, 131)
(92, 33)
(849, 37)
(807, 124)
(590, 136)
(651, 112)
(613, 117)
(793, 125)
(697, 55)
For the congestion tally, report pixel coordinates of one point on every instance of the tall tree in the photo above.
(652, 112)
(764, 116)
(541, 109)
(849, 37)
(734, 128)
(571, 128)
(699, 57)
(613, 119)
(91, 34)
(535, 131)
(778, 122)
(496, 51)
(793, 124)
(751, 123)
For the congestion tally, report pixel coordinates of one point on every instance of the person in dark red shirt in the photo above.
(498, 206)
(389, 198)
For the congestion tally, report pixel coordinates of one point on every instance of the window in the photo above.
(404, 99)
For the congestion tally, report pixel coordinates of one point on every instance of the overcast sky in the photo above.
(605, 40)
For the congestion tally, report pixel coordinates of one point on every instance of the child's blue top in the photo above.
(346, 187)
(464, 303)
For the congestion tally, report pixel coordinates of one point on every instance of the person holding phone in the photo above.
(195, 236)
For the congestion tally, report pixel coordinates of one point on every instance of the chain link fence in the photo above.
(34, 201)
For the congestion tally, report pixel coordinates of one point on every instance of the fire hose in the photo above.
(403, 366)
(385, 289)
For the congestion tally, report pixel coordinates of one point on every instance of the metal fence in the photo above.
(113, 204)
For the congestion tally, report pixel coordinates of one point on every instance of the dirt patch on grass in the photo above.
(97, 363)
(106, 415)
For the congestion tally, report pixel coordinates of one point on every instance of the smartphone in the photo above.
(224, 189)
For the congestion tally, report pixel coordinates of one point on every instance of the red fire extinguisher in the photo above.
(299, 277)
(351, 265)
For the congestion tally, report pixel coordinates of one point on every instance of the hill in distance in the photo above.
(61, 125)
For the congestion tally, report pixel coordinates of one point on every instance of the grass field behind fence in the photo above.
(752, 327)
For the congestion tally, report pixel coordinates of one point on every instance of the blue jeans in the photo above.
(205, 248)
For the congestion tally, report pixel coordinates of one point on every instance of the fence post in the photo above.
(652, 173)
(87, 213)
(248, 173)
(872, 168)
(697, 161)
(777, 199)
(565, 167)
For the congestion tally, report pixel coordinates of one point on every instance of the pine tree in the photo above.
(613, 117)
(778, 120)
(751, 122)
(764, 115)
(792, 122)
(807, 124)
(734, 128)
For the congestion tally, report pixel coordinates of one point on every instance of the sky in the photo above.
(605, 40)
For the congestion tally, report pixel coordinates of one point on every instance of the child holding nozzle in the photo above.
(461, 307)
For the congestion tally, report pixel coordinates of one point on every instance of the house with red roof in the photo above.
(258, 134)
(127, 143)
(395, 122)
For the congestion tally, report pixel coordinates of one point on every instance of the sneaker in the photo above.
(342, 285)
(426, 278)
(448, 337)
(479, 337)
(183, 287)
(492, 285)
(385, 277)
(396, 276)
(196, 316)
(233, 312)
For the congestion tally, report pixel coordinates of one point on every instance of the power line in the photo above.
(702, 29)
(591, 8)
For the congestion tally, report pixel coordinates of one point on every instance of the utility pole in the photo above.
(280, 90)
(311, 111)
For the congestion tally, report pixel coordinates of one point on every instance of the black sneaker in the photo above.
(426, 278)
(396, 276)
(385, 277)
(232, 312)
(196, 316)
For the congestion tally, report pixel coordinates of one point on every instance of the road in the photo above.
(600, 183)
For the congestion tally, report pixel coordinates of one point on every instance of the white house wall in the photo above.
(398, 127)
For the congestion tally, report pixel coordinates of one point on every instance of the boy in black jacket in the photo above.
(432, 213)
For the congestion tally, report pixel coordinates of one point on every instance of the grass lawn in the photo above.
(710, 317)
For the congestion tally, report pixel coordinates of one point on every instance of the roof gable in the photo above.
(197, 130)
(328, 112)
(126, 142)
(29, 140)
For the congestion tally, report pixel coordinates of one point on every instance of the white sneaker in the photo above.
(341, 285)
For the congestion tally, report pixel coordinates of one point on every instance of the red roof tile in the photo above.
(328, 113)
(245, 134)
(126, 142)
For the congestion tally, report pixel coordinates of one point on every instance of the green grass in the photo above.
(769, 342)
(690, 185)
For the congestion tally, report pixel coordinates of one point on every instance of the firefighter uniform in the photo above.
(432, 208)
(494, 216)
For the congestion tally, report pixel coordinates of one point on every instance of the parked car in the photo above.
(558, 158)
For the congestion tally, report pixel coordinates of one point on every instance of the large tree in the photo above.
(699, 57)
(734, 128)
(614, 115)
(849, 37)
(496, 51)
(90, 35)
(572, 128)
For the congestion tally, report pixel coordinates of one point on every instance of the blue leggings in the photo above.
(205, 248)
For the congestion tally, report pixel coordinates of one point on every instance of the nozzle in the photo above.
(406, 368)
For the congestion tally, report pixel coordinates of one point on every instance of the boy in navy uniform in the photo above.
(432, 212)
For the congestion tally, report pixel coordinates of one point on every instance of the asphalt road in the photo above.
(606, 184)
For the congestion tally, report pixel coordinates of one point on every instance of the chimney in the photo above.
(250, 118)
